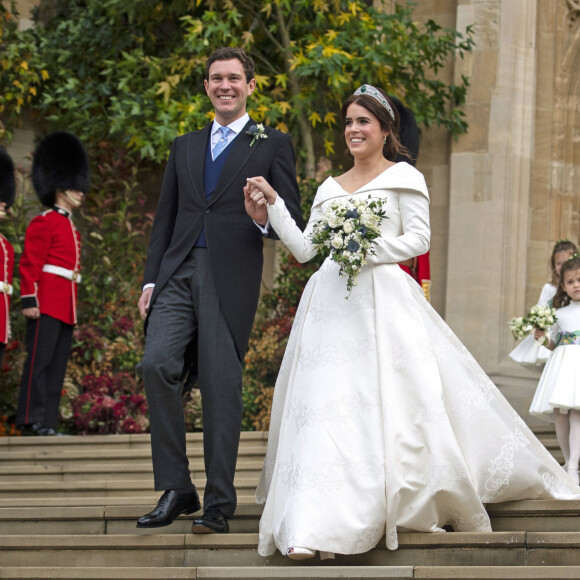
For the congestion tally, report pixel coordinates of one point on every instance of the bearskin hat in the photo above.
(409, 134)
(7, 181)
(60, 162)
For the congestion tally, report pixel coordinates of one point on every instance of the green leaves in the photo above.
(131, 74)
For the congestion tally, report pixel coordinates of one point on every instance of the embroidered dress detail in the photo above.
(568, 338)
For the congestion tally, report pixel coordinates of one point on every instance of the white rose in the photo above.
(348, 227)
(337, 242)
(333, 221)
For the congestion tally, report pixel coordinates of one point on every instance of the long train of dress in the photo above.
(382, 419)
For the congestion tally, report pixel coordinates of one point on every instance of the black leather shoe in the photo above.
(44, 431)
(212, 522)
(170, 505)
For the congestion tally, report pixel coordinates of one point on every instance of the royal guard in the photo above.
(50, 275)
(7, 190)
(418, 268)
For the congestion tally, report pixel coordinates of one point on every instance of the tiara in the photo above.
(376, 94)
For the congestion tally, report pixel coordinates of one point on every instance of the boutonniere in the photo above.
(257, 132)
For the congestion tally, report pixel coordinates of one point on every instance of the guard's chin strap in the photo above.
(76, 202)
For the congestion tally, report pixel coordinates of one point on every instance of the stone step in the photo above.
(301, 571)
(239, 550)
(66, 457)
(81, 471)
(535, 515)
(145, 501)
(107, 519)
(494, 572)
(109, 487)
(103, 442)
(51, 447)
(529, 516)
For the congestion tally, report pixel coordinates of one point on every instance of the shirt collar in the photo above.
(61, 211)
(236, 126)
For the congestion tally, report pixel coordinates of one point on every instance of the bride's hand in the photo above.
(260, 191)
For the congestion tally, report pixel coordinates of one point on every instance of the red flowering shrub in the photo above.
(109, 404)
(123, 325)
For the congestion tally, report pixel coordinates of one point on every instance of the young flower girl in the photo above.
(528, 352)
(557, 397)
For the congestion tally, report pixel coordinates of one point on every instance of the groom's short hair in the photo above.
(228, 53)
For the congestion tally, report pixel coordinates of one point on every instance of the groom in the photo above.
(201, 286)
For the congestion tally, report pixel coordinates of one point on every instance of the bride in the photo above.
(382, 420)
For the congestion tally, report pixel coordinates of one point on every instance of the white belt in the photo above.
(60, 271)
(6, 288)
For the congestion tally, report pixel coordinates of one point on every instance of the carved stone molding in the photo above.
(573, 10)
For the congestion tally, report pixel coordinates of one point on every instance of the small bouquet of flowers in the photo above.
(519, 327)
(346, 232)
(540, 317)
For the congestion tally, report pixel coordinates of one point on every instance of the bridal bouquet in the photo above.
(540, 317)
(346, 233)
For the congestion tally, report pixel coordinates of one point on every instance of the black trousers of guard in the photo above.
(48, 344)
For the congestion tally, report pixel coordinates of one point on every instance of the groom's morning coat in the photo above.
(234, 242)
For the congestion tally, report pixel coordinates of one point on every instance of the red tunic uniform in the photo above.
(6, 268)
(421, 272)
(51, 241)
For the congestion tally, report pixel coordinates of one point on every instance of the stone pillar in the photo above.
(490, 179)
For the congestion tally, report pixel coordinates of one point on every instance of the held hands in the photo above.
(144, 302)
(258, 194)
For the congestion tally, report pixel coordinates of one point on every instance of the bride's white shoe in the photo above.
(573, 473)
(296, 553)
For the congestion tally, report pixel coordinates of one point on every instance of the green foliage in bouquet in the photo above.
(346, 232)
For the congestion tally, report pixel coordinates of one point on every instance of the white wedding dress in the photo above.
(381, 418)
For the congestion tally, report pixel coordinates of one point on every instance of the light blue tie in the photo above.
(222, 143)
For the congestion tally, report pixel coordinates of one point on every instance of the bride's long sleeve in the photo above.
(414, 209)
(294, 239)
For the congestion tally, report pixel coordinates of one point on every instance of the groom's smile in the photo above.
(228, 90)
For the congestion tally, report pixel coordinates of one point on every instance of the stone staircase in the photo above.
(68, 507)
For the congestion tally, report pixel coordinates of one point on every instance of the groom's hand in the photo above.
(255, 208)
(144, 302)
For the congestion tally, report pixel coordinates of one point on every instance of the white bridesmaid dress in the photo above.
(529, 352)
(559, 386)
(381, 419)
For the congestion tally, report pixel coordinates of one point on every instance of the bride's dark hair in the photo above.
(393, 145)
